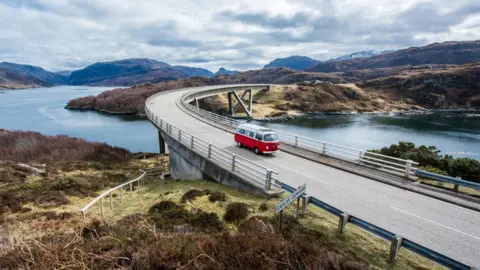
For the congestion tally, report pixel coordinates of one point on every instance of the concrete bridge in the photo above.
(386, 200)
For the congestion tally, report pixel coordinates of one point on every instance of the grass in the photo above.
(449, 186)
(355, 242)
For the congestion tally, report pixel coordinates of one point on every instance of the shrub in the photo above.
(256, 224)
(207, 222)
(429, 158)
(191, 195)
(162, 207)
(236, 212)
(217, 196)
(94, 229)
(263, 207)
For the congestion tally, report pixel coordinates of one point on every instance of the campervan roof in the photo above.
(254, 127)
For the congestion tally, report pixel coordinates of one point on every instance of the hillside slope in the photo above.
(436, 53)
(125, 73)
(10, 80)
(35, 72)
(296, 62)
(132, 100)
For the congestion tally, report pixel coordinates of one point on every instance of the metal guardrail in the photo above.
(448, 179)
(258, 174)
(396, 240)
(139, 180)
(397, 166)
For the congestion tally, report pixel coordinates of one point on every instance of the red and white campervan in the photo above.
(262, 140)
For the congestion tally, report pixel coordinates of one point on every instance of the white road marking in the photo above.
(436, 223)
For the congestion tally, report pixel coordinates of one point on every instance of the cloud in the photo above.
(246, 34)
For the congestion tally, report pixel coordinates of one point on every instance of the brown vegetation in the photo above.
(27, 146)
(140, 243)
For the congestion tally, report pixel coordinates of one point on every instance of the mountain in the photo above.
(193, 71)
(294, 62)
(450, 52)
(35, 72)
(65, 73)
(225, 71)
(125, 73)
(362, 54)
(9, 80)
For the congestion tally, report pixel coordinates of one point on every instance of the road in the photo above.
(443, 227)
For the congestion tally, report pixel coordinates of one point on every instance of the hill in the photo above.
(64, 72)
(437, 53)
(132, 100)
(361, 54)
(193, 71)
(9, 80)
(35, 72)
(294, 62)
(225, 71)
(125, 73)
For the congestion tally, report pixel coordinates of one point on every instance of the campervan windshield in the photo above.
(270, 137)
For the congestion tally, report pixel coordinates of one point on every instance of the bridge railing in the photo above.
(396, 240)
(397, 166)
(258, 174)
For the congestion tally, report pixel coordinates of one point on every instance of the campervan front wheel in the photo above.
(257, 152)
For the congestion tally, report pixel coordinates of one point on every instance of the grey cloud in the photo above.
(264, 19)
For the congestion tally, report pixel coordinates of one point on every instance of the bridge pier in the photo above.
(233, 109)
(182, 169)
(162, 144)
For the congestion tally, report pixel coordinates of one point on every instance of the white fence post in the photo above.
(191, 143)
(408, 168)
(360, 155)
(296, 141)
(324, 148)
(121, 193)
(111, 203)
(209, 151)
(101, 208)
(233, 162)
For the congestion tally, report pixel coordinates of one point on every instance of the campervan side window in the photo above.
(241, 131)
(258, 136)
(251, 134)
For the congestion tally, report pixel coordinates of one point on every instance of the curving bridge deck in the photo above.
(449, 229)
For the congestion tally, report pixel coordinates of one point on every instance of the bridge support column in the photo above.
(233, 109)
(182, 169)
(161, 143)
(196, 103)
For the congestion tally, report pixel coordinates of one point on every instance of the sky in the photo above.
(241, 35)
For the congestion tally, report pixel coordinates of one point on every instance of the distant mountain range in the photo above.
(35, 72)
(225, 71)
(450, 52)
(296, 62)
(362, 54)
(9, 80)
(141, 70)
(193, 71)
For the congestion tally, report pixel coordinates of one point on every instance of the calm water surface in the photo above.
(452, 134)
(43, 110)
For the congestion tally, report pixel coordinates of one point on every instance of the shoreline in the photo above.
(314, 115)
